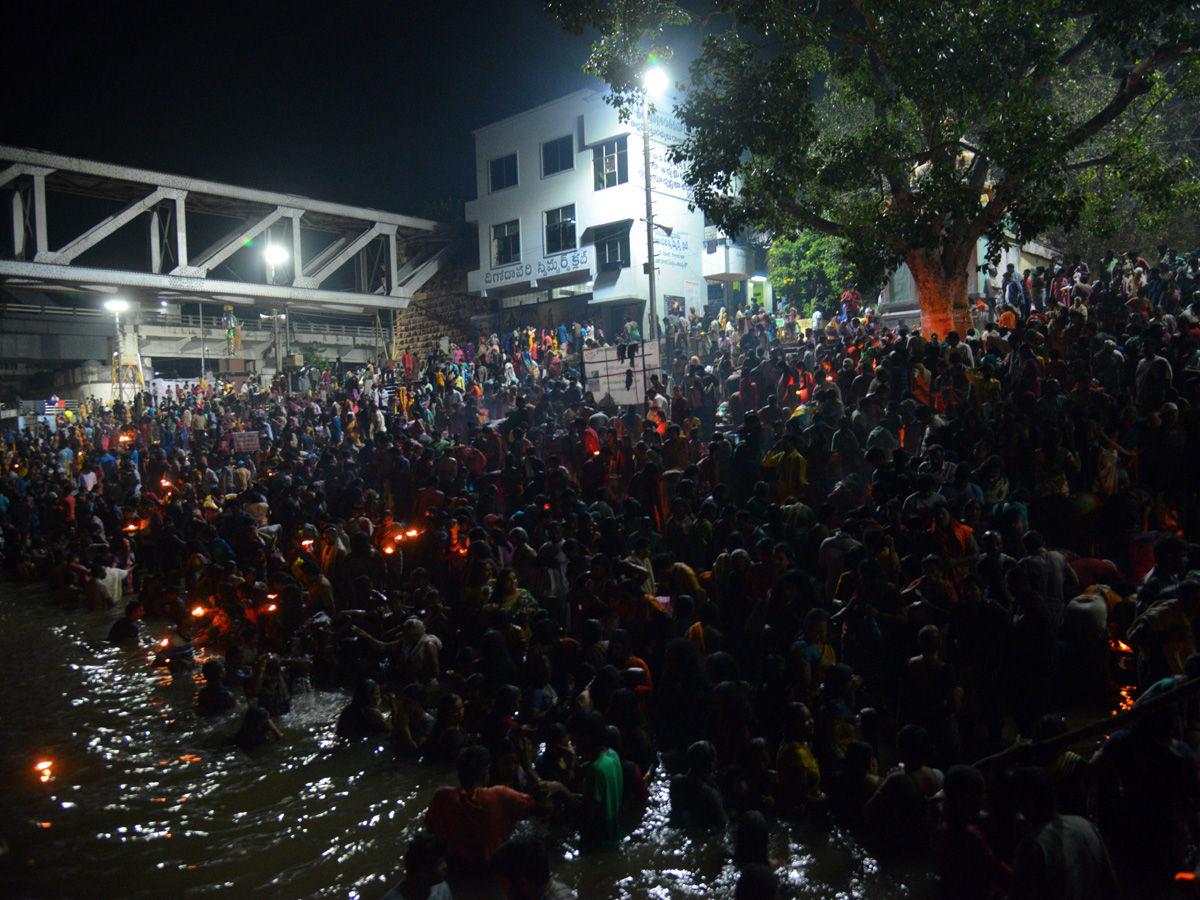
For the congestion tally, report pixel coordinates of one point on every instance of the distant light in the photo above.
(116, 305)
(656, 81)
(275, 254)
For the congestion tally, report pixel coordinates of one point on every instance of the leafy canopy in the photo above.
(810, 271)
(913, 127)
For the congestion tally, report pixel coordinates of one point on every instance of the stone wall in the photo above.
(442, 308)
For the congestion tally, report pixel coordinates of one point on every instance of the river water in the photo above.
(143, 800)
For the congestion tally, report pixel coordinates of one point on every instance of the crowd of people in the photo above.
(806, 581)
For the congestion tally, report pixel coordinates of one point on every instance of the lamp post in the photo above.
(654, 81)
(275, 255)
(200, 306)
(116, 306)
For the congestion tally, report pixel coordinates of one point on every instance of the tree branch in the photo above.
(812, 220)
(873, 43)
(1130, 90)
(1088, 163)
(1081, 46)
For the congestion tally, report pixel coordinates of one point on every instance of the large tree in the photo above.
(910, 129)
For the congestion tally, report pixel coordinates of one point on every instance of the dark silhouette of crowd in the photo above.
(813, 577)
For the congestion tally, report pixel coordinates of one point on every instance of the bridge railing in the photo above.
(51, 312)
(314, 328)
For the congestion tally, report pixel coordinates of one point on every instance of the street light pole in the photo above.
(275, 255)
(116, 306)
(120, 374)
(653, 301)
(201, 306)
(654, 81)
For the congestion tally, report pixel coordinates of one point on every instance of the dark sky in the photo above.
(360, 101)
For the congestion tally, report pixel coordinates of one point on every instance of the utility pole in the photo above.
(201, 305)
(653, 301)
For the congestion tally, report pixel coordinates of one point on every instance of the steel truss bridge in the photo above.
(220, 260)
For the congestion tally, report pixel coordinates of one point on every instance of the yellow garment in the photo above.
(792, 471)
(799, 774)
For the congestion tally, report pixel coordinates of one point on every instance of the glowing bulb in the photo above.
(656, 81)
(198, 611)
(275, 255)
(271, 608)
(44, 764)
(164, 642)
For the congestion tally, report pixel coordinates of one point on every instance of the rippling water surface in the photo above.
(141, 799)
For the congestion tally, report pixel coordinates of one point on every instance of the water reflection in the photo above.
(142, 799)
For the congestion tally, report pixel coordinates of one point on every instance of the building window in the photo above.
(503, 172)
(612, 247)
(560, 229)
(610, 162)
(506, 243)
(558, 155)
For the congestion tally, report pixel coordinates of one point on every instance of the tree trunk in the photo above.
(941, 278)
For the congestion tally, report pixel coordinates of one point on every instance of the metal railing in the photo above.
(211, 323)
(214, 323)
(56, 312)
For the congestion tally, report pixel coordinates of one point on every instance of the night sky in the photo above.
(363, 102)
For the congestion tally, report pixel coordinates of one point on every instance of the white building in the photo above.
(561, 213)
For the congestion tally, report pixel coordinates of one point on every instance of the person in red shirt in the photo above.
(477, 819)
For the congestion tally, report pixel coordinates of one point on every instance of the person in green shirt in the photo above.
(603, 782)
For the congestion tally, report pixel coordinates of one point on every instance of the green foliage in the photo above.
(910, 129)
(314, 359)
(810, 271)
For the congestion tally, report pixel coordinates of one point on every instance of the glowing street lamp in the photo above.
(656, 81)
(275, 255)
(116, 306)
